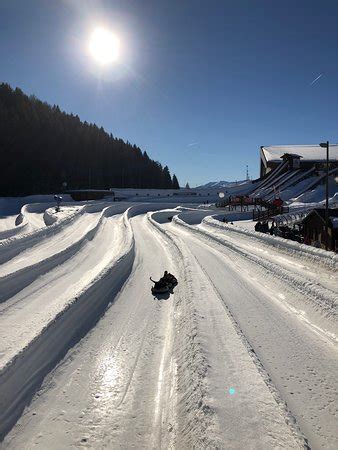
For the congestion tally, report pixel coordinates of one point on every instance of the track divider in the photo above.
(16, 281)
(23, 374)
(320, 256)
(193, 401)
(20, 224)
(12, 246)
(324, 300)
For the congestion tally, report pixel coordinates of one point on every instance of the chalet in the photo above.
(314, 228)
(296, 157)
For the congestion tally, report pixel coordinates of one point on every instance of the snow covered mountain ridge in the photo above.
(220, 184)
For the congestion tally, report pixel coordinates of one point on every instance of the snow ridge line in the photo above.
(51, 222)
(322, 298)
(191, 362)
(23, 374)
(13, 246)
(12, 283)
(20, 224)
(287, 414)
(320, 256)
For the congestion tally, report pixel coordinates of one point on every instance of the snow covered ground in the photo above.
(241, 355)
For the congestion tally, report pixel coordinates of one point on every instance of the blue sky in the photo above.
(200, 85)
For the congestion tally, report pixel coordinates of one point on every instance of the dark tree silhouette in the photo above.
(42, 148)
(175, 182)
(166, 178)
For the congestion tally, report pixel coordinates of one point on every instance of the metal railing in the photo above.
(266, 214)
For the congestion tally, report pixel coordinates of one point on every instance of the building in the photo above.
(297, 157)
(89, 194)
(314, 228)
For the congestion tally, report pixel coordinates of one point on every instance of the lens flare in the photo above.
(104, 46)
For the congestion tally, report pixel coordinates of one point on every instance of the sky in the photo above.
(200, 85)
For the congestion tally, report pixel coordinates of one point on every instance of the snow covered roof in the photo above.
(307, 152)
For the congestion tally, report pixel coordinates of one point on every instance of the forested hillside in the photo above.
(43, 148)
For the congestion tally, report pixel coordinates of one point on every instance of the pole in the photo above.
(327, 199)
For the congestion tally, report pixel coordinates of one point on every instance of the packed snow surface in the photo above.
(241, 354)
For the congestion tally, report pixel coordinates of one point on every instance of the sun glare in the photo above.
(104, 46)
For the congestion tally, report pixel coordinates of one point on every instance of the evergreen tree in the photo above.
(42, 148)
(187, 186)
(175, 182)
(167, 183)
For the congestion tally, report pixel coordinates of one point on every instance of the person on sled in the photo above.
(169, 278)
(165, 284)
(159, 284)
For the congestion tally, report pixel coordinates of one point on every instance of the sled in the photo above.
(166, 287)
(156, 289)
(160, 290)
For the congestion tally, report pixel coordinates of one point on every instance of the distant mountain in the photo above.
(221, 184)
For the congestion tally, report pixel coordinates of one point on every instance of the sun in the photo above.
(104, 46)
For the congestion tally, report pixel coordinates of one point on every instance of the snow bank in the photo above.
(7, 222)
(142, 208)
(200, 356)
(23, 373)
(193, 401)
(164, 216)
(322, 299)
(22, 222)
(14, 282)
(43, 204)
(14, 245)
(189, 215)
(196, 217)
(320, 256)
(18, 225)
(13, 205)
(50, 216)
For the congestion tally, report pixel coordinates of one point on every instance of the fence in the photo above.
(266, 214)
(243, 203)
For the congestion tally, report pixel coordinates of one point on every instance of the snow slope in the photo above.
(128, 382)
(223, 184)
(242, 354)
(298, 356)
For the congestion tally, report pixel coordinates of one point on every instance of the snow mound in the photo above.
(320, 256)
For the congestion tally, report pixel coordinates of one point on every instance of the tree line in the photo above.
(45, 150)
